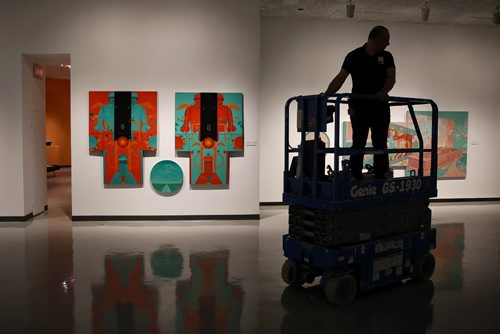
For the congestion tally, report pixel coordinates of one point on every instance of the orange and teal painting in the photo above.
(452, 143)
(122, 127)
(398, 136)
(208, 129)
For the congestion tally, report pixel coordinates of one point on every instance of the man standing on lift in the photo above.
(373, 72)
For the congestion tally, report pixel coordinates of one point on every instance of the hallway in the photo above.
(224, 277)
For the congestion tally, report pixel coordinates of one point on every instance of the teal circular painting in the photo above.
(166, 177)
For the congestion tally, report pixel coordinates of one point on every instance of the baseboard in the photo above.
(157, 218)
(271, 203)
(16, 218)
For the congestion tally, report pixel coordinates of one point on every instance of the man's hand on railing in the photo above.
(382, 96)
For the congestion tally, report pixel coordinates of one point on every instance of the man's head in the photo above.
(379, 37)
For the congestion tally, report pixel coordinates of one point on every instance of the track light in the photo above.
(425, 11)
(496, 15)
(349, 9)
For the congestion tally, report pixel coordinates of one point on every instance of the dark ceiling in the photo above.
(460, 12)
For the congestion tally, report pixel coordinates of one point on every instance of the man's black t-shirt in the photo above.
(368, 73)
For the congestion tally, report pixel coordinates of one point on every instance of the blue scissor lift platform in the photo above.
(355, 234)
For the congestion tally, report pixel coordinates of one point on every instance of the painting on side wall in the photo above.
(399, 136)
(452, 143)
(208, 129)
(122, 128)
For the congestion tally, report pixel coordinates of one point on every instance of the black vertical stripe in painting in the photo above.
(208, 117)
(123, 115)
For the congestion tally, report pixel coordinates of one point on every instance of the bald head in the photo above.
(378, 39)
(378, 31)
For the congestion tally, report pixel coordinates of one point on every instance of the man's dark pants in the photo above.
(375, 116)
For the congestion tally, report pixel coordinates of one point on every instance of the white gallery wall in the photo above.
(456, 66)
(165, 46)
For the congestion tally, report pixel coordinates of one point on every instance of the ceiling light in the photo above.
(496, 15)
(425, 11)
(264, 7)
(349, 8)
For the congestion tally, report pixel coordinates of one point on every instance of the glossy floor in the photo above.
(224, 277)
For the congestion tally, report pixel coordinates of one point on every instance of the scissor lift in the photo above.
(355, 235)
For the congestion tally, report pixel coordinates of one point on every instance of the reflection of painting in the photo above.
(166, 177)
(124, 303)
(449, 253)
(452, 143)
(167, 262)
(208, 303)
(122, 126)
(208, 126)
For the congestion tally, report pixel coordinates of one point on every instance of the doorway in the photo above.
(58, 133)
(46, 113)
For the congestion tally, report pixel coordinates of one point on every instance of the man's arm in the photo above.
(337, 82)
(383, 94)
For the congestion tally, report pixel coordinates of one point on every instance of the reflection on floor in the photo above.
(200, 277)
